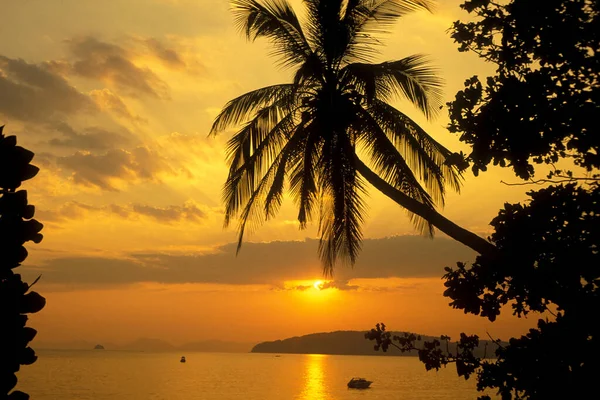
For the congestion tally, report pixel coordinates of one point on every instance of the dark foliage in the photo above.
(433, 353)
(550, 263)
(17, 227)
(538, 108)
(550, 256)
(544, 101)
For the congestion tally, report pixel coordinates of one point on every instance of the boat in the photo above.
(182, 359)
(359, 383)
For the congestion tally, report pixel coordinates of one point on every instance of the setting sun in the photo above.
(318, 285)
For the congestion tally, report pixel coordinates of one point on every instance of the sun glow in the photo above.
(318, 285)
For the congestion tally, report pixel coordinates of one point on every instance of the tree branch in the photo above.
(566, 179)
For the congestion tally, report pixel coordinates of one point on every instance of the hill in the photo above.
(346, 343)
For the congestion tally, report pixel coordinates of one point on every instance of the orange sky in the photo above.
(116, 99)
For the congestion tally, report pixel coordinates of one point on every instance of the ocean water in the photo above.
(121, 375)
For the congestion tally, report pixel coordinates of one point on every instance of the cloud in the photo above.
(188, 211)
(73, 210)
(92, 138)
(35, 93)
(109, 101)
(112, 160)
(169, 57)
(262, 263)
(337, 284)
(105, 170)
(39, 92)
(112, 65)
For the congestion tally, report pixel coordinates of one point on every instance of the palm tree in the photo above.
(314, 132)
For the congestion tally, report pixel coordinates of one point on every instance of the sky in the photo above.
(116, 98)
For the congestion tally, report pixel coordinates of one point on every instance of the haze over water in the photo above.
(122, 375)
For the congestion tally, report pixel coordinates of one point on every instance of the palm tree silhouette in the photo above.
(315, 131)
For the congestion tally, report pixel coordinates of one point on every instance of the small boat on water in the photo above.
(359, 383)
(182, 359)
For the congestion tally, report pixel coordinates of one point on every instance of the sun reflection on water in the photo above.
(314, 378)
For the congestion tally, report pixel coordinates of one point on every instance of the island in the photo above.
(349, 343)
(98, 347)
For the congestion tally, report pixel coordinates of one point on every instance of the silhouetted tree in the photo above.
(550, 263)
(311, 132)
(540, 107)
(544, 100)
(16, 299)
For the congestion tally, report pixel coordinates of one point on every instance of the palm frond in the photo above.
(274, 197)
(251, 213)
(303, 177)
(426, 157)
(276, 21)
(310, 73)
(250, 151)
(367, 20)
(325, 28)
(271, 179)
(390, 165)
(410, 77)
(294, 151)
(386, 160)
(343, 210)
(242, 107)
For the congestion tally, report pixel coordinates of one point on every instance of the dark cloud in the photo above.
(263, 263)
(112, 64)
(34, 92)
(168, 56)
(91, 138)
(107, 100)
(190, 212)
(101, 170)
(41, 92)
(119, 210)
(173, 213)
(71, 210)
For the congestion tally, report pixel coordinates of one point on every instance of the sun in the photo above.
(318, 285)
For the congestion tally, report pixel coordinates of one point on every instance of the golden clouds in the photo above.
(115, 168)
(107, 160)
(37, 92)
(32, 92)
(167, 56)
(106, 100)
(111, 64)
(286, 266)
(189, 212)
(88, 138)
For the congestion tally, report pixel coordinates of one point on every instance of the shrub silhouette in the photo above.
(541, 106)
(17, 227)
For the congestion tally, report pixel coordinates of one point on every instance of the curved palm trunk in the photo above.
(462, 235)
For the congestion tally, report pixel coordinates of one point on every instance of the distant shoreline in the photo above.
(350, 343)
(342, 343)
(149, 345)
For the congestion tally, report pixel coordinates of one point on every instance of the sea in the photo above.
(124, 375)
